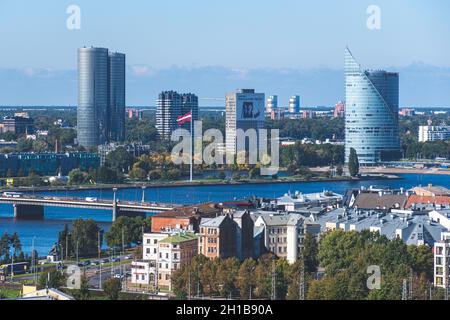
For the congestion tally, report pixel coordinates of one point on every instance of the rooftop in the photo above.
(179, 238)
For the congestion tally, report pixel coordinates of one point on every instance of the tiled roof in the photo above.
(374, 201)
(414, 199)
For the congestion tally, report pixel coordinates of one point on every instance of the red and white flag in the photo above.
(184, 118)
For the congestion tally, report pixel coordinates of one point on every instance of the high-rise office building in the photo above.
(294, 105)
(189, 104)
(244, 110)
(271, 104)
(116, 110)
(171, 105)
(101, 97)
(92, 108)
(371, 113)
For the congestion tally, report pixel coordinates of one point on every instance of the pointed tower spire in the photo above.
(351, 65)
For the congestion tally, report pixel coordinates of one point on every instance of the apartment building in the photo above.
(441, 263)
(284, 234)
(174, 252)
(217, 238)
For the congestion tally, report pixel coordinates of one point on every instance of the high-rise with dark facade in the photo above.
(101, 97)
(116, 68)
(171, 105)
(371, 113)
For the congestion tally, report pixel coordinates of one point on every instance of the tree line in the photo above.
(334, 268)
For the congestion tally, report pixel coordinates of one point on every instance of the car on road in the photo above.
(84, 263)
(130, 257)
(104, 261)
(95, 263)
(119, 276)
(115, 260)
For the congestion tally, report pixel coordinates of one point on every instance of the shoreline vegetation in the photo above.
(205, 182)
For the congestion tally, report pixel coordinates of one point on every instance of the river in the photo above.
(45, 232)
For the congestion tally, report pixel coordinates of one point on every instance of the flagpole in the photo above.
(191, 155)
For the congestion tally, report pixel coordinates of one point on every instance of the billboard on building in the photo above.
(250, 107)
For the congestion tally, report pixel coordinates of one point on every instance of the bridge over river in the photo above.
(32, 207)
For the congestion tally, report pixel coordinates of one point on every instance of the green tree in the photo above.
(154, 175)
(353, 163)
(112, 288)
(52, 278)
(120, 160)
(76, 177)
(310, 252)
(65, 241)
(84, 292)
(339, 170)
(246, 278)
(15, 242)
(85, 237)
(126, 228)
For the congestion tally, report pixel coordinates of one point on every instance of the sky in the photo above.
(250, 41)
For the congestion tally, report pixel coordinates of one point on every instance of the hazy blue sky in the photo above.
(237, 35)
(233, 33)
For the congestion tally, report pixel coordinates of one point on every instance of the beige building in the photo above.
(173, 252)
(284, 234)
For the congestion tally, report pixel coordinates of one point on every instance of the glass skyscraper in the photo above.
(116, 111)
(101, 97)
(371, 113)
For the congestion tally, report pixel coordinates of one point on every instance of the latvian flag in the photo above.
(184, 118)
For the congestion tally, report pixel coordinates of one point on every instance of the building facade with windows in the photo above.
(101, 96)
(434, 133)
(17, 124)
(283, 234)
(173, 253)
(442, 263)
(271, 104)
(171, 105)
(294, 105)
(371, 113)
(244, 111)
(46, 164)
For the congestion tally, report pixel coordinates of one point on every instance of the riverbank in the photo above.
(384, 170)
(197, 183)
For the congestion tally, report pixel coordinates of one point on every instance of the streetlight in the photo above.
(12, 264)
